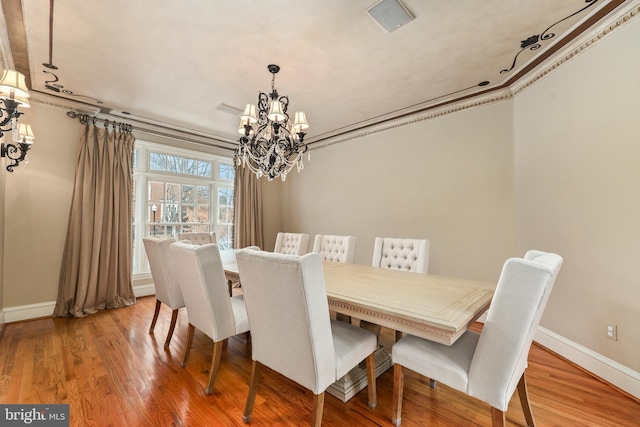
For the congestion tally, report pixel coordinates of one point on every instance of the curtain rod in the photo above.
(182, 136)
(85, 118)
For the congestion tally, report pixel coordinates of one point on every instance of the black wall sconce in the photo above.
(14, 94)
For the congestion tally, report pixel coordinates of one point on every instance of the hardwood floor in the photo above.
(113, 373)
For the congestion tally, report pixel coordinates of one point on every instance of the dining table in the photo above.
(434, 307)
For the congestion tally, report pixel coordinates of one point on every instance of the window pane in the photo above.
(157, 162)
(174, 164)
(204, 168)
(155, 216)
(190, 167)
(227, 172)
(224, 237)
(202, 213)
(156, 191)
(170, 213)
(173, 193)
(202, 228)
(225, 196)
(188, 195)
(188, 214)
(203, 195)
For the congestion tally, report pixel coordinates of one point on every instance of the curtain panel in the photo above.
(96, 270)
(247, 222)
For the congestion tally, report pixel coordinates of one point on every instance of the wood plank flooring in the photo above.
(112, 372)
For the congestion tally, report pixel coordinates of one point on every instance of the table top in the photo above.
(228, 257)
(437, 308)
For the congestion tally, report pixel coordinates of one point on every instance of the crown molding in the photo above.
(626, 13)
(487, 98)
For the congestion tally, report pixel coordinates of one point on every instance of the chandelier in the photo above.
(14, 94)
(270, 145)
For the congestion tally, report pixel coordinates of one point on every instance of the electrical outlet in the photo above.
(612, 332)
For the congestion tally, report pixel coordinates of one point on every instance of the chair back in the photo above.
(520, 298)
(335, 248)
(401, 254)
(292, 243)
(198, 238)
(204, 288)
(288, 311)
(163, 271)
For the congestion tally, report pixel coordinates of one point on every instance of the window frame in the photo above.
(143, 174)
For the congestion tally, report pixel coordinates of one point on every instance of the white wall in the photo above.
(36, 209)
(448, 180)
(578, 191)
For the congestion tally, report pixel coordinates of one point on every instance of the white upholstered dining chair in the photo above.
(206, 296)
(165, 280)
(335, 248)
(292, 243)
(399, 254)
(489, 365)
(291, 330)
(199, 238)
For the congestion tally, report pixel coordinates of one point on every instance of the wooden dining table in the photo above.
(437, 308)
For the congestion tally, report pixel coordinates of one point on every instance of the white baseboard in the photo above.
(45, 309)
(609, 370)
(144, 290)
(29, 311)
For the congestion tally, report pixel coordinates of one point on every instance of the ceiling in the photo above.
(173, 63)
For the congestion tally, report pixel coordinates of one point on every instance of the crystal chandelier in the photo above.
(270, 144)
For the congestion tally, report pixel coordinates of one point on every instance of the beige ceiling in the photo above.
(174, 62)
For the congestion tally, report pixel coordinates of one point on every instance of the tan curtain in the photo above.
(97, 260)
(247, 224)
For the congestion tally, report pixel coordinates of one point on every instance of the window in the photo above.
(178, 191)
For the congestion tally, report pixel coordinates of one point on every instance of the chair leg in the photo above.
(398, 335)
(172, 326)
(215, 364)
(398, 386)
(230, 285)
(253, 387)
(155, 316)
(371, 381)
(318, 406)
(498, 418)
(187, 347)
(524, 400)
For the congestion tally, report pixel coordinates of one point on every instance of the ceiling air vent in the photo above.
(390, 14)
(229, 109)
